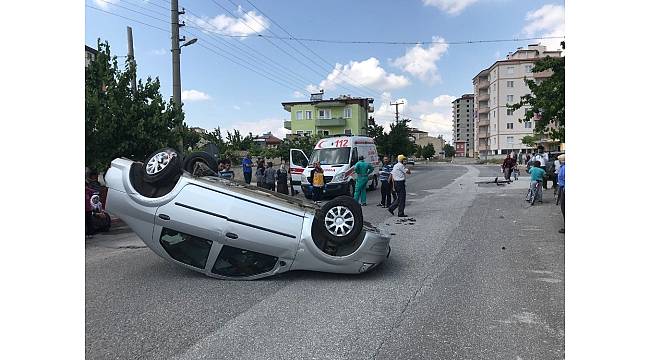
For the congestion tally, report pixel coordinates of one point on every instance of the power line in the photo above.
(359, 86)
(135, 11)
(128, 18)
(381, 42)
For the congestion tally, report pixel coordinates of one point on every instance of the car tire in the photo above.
(162, 166)
(351, 188)
(193, 158)
(340, 220)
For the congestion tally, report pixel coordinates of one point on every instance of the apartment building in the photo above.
(90, 54)
(343, 115)
(497, 130)
(463, 118)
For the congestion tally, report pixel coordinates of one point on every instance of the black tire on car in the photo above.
(193, 158)
(340, 220)
(162, 166)
(351, 188)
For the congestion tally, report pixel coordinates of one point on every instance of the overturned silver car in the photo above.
(228, 229)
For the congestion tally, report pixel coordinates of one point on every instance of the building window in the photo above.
(510, 98)
(494, 113)
(347, 113)
(529, 68)
(326, 132)
(348, 132)
(324, 114)
(299, 115)
(299, 132)
(510, 139)
(510, 83)
(307, 114)
(528, 125)
(510, 126)
(308, 133)
(511, 69)
(510, 112)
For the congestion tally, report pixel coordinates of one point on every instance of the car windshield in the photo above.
(331, 156)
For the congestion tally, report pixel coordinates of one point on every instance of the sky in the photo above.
(234, 79)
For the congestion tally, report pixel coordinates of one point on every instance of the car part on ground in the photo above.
(228, 229)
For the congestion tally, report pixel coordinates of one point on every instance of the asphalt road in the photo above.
(479, 275)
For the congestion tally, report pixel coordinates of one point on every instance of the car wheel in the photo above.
(340, 219)
(163, 165)
(202, 156)
(351, 188)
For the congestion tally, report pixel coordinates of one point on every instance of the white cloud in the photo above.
(236, 107)
(105, 3)
(433, 116)
(366, 73)
(246, 24)
(194, 95)
(275, 126)
(544, 22)
(421, 62)
(451, 7)
(298, 95)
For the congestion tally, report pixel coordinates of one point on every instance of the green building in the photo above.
(343, 115)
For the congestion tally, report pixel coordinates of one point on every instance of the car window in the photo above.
(331, 156)
(188, 249)
(355, 157)
(237, 262)
(298, 158)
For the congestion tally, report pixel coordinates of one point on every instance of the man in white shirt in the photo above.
(542, 157)
(399, 182)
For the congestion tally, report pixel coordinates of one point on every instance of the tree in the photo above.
(215, 137)
(428, 151)
(119, 122)
(531, 141)
(190, 137)
(545, 104)
(449, 150)
(396, 141)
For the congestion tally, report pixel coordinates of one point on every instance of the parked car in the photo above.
(228, 229)
(410, 161)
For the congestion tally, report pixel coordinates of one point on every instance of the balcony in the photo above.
(483, 110)
(287, 124)
(483, 134)
(483, 84)
(483, 122)
(331, 122)
(483, 97)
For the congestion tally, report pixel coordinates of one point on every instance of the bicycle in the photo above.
(534, 193)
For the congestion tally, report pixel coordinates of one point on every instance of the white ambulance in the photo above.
(337, 157)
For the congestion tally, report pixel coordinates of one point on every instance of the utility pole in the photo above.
(176, 63)
(131, 57)
(397, 104)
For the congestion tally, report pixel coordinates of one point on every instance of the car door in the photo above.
(298, 161)
(190, 228)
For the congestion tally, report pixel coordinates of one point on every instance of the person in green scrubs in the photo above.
(362, 169)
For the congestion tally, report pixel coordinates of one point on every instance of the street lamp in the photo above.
(190, 42)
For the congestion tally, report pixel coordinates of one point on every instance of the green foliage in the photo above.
(546, 99)
(531, 141)
(117, 121)
(190, 137)
(428, 151)
(449, 150)
(396, 141)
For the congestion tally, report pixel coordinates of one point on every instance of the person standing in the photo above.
(507, 166)
(259, 173)
(542, 157)
(399, 179)
(282, 176)
(362, 169)
(247, 168)
(384, 175)
(560, 184)
(317, 181)
(269, 177)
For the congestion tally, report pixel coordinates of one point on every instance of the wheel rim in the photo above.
(158, 163)
(339, 221)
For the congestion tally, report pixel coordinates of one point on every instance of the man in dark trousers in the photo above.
(247, 168)
(399, 178)
(384, 175)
